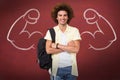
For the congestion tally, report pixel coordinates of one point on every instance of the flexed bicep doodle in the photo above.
(104, 28)
(19, 32)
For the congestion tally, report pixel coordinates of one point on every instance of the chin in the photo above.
(63, 23)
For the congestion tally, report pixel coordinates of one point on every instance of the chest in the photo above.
(64, 37)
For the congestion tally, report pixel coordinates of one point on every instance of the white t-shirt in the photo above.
(64, 57)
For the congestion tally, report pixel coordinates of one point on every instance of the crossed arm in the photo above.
(71, 47)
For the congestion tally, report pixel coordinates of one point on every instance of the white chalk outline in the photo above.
(99, 29)
(23, 30)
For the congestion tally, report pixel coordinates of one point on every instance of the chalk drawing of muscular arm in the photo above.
(94, 20)
(24, 20)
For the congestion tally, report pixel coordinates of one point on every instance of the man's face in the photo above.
(62, 17)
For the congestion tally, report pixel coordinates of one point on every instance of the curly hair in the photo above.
(62, 6)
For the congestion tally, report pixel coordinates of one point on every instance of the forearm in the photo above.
(53, 50)
(70, 49)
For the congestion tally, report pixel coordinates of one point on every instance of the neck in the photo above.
(62, 27)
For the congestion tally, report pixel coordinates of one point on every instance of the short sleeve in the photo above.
(77, 34)
(47, 36)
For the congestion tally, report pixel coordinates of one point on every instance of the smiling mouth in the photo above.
(62, 20)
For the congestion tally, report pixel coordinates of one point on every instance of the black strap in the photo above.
(52, 32)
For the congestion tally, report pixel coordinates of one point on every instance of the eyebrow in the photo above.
(63, 14)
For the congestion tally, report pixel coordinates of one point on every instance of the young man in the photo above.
(64, 50)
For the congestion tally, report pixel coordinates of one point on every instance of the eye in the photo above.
(59, 15)
(65, 15)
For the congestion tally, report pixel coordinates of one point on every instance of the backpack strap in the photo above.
(52, 32)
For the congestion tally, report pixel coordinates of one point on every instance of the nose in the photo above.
(62, 17)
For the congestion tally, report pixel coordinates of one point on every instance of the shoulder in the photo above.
(73, 28)
(55, 27)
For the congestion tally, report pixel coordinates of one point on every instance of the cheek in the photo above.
(67, 18)
(57, 18)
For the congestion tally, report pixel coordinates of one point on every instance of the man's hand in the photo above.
(53, 45)
(71, 43)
